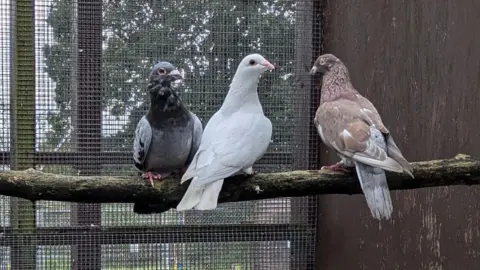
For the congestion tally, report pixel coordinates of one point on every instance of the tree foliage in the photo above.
(206, 39)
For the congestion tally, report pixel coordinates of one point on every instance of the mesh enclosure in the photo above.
(74, 77)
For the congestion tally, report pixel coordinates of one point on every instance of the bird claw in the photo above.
(338, 167)
(152, 176)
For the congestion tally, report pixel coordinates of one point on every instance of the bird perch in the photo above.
(35, 185)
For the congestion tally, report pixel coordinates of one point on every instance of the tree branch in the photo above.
(35, 185)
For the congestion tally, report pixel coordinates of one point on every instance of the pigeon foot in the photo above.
(338, 167)
(152, 176)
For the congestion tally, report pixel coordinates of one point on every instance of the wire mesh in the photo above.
(91, 62)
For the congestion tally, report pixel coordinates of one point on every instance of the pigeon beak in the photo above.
(268, 65)
(313, 70)
(176, 74)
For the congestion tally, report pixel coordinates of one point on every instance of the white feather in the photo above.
(233, 140)
(209, 198)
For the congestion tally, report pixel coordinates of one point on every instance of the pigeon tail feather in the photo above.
(191, 197)
(202, 197)
(375, 188)
(189, 174)
(209, 198)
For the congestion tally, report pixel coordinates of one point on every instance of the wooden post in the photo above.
(87, 255)
(22, 112)
(305, 151)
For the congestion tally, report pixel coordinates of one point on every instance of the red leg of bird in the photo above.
(339, 167)
(152, 176)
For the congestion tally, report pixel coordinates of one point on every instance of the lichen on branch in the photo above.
(36, 185)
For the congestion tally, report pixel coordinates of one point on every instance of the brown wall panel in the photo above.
(419, 63)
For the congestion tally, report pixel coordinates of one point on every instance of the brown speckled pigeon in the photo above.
(349, 123)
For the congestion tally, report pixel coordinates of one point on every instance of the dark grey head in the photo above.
(162, 94)
(325, 63)
(164, 69)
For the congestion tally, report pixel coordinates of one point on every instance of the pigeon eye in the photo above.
(252, 62)
(161, 71)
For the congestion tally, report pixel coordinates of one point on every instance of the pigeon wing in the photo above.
(141, 143)
(346, 129)
(237, 143)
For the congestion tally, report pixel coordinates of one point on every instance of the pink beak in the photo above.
(268, 65)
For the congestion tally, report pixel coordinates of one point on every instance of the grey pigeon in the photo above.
(168, 135)
(349, 123)
(235, 137)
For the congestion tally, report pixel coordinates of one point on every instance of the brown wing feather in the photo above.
(372, 113)
(392, 149)
(346, 128)
(354, 137)
(394, 152)
(337, 116)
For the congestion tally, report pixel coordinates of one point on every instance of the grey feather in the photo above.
(170, 148)
(374, 182)
(141, 143)
(168, 136)
(375, 188)
(197, 137)
(394, 152)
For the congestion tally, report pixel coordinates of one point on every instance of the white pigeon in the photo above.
(234, 138)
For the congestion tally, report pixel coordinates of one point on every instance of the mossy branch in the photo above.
(35, 185)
